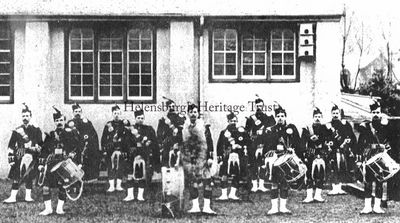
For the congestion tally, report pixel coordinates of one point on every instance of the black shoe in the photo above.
(384, 204)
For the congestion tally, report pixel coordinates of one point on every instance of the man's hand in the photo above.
(11, 160)
(291, 150)
(72, 155)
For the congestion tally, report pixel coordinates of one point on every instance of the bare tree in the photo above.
(363, 43)
(387, 37)
(346, 31)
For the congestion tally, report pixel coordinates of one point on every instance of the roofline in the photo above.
(227, 18)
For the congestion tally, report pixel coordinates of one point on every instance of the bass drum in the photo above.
(173, 185)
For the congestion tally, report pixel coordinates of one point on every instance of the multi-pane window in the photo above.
(254, 51)
(81, 64)
(225, 53)
(111, 64)
(253, 54)
(140, 60)
(5, 63)
(283, 54)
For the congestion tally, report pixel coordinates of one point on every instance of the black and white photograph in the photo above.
(199, 111)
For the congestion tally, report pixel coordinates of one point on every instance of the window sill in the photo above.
(254, 81)
(153, 101)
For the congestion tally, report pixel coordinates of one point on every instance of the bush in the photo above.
(382, 86)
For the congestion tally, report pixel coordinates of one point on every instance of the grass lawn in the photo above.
(97, 206)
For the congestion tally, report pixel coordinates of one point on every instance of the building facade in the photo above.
(218, 53)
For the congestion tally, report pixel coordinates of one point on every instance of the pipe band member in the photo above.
(91, 155)
(342, 149)
(23, 149)
(281, 138)
(143, 155)
(256, 125)
(169, 134)
(315, 141)
(115, 153)
(232, 146)
(195, 160)
(60, 144)
(373, 139)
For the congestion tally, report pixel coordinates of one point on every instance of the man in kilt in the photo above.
(256, 125)
(196, 161)
(23, 148)
(373, 139)
(314, 139)
(169, 134)
(114, 152)
(231, 151)
(344, 142)
(143, 156)
(90, 154)
(282, 138)
(60, 144)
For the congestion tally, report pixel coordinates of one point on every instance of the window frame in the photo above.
(97, 27)
(241, 28)
(10, 99)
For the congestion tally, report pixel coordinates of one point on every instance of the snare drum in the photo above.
(291, 167)
(71, 175)
(382, 166)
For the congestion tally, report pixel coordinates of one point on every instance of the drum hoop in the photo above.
(58, 165)
(382, 179)
(393, 166)
(282, 159)
(374, 158)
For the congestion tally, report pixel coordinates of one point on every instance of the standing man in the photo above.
(113, 149)
(169, 134)
(231, 148)
(23, 149)
(314, 138)
(61, 144)
(343, 145)
(195, 160)
(373, 139)
(143, 156)
(91, 154)
(282, 138)
(256, 125)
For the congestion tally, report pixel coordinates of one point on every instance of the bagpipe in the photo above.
(232, 153)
